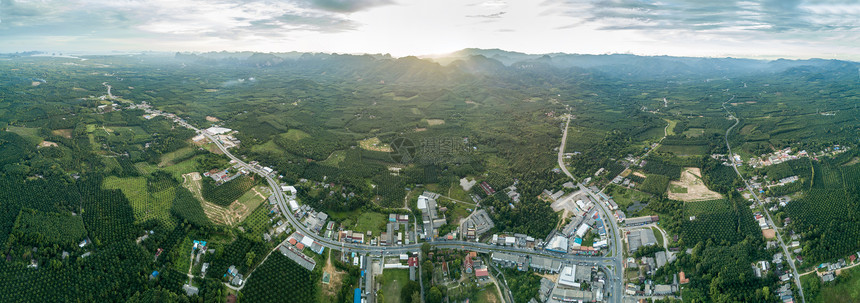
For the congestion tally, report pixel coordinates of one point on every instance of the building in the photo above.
(663, 290)
(190, 290)
(482, 273)
(476, 224)
(545, 264)
(660, 257)
(639, 238)
(509, 260)
(567, 277)
(637, 221)
(558, 243)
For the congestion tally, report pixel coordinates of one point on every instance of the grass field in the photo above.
(846, 289)
(361, 222)
(676, 189)
(295, 135)
(335, 158)
(487, 295)
(457, 192)
(658, 236)
(392, 281)
(269, 146)
(31, 134)
(684, 150)
(184, 167)
(671, 130)
(695, 132)
(145, 168)
(624, 197)
(182, 153)
(183, 253)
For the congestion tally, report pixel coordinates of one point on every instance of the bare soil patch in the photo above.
(65, 133)
(374, 144)
(212, 119)
(768, 233)
(47, 144)
(335, 277)
(691, 179)
(433, 122)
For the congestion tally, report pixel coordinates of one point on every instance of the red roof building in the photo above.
(300, 246)
(467, 263)
(481, 272)
(293, 241)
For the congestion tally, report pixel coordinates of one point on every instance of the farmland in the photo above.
(266, 285)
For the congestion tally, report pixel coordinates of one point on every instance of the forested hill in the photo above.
(447, 68)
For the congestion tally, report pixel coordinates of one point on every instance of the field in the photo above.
(29, 133)
(295, 135)
(234, 212)
(269, 147)
(170, 158)
(845, 289)
(146, 205)
(393, 281)
(361, 221)
(267, 284)
(374, 144)
(691, 187)
(487, 295)
(625, 197)
(328, 290)
(684, 150)
(718, 220)
(694, 132)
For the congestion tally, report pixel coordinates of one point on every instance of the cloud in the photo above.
(488, 16)
(346, 6)
(770, 16)
(169, 19)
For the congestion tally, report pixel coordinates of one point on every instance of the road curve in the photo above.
(746, 183)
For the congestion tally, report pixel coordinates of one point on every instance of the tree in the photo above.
(434, 295)
(249, 258)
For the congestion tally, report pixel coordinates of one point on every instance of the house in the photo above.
(190, 290)
(237, 280)
(663, 290)
(682, 279)
(482, 273)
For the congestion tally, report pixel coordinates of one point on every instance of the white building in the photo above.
(218, 130)
(567, 277)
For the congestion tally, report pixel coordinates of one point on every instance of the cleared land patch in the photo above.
(235, 212)
(691, 187)
(374, 144)
(433, 122)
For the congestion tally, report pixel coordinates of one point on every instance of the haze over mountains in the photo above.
(498, 62)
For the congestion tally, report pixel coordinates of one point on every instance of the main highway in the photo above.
(758, 201)
(614, 278)
(377, 251)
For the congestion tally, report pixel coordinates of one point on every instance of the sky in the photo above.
(709, 28)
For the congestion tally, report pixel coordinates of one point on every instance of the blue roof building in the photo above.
(357, 296)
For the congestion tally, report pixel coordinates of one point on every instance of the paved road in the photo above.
(381, 250)
(617, 253)
(561, 150)
(755, 196)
